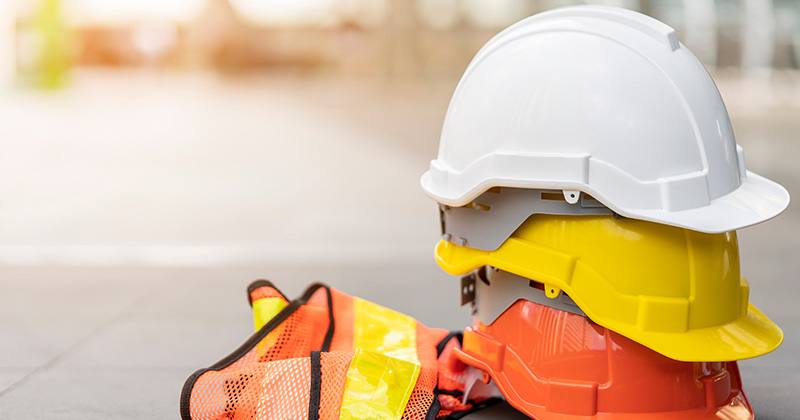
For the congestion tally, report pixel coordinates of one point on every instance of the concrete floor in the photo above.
(135, 211)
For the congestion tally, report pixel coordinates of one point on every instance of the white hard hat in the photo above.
(608, 102)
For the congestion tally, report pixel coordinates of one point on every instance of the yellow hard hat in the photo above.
(676, 291)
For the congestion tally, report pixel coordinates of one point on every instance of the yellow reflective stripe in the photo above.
(377, 386)
(265, 309)
(384, 331)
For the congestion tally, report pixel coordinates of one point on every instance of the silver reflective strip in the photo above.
(490, 219)
(505, 288)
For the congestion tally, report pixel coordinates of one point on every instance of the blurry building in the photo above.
(383, 38)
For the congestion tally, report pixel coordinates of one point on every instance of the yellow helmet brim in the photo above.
(657, 322)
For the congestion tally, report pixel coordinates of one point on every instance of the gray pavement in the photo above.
(135, 209)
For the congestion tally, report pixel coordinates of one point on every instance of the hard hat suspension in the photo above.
(486, 222)
(495, 290)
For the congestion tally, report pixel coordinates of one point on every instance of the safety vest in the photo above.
(330, 356)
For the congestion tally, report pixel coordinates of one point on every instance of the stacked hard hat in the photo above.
(590, 188)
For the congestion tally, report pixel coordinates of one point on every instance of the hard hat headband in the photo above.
(497, 290)
(490, 219)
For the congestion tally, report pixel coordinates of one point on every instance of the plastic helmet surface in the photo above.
(608, 102)
(676, 291)
(568, 368)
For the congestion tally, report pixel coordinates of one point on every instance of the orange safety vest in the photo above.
(330, 356)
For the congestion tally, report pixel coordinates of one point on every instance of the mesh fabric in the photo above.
(451, 404)
(272, 379)
(334, 366)
(423, 394)
(343, 314)
(274, 373)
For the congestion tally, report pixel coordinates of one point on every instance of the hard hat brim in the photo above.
(757, 200)
(749, 336)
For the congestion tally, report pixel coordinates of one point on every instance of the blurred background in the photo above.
(158, 155)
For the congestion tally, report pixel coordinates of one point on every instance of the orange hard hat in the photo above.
(555, 365)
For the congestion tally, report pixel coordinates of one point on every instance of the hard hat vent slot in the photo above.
(553, 196)
(536, 285)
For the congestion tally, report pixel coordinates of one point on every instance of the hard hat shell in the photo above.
(608, 102)
(568, 368)
(676, 291)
